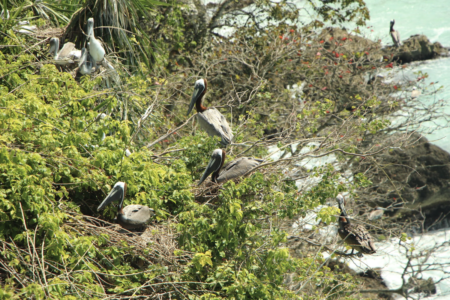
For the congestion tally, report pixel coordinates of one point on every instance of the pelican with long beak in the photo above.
(132, 216)
(210, 119)
(85, 66)
(395, 35)
(356, 236)
(234, 169)
(96, 49)
(67, 55)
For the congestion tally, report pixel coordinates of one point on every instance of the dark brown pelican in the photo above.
(96, 49)
(210, 119)
(132, 216)
(234, 169)
(85, 65)
(356, 236)
(67, 55)
(395, 35)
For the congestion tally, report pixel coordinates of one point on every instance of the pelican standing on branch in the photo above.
(67, 55)
(210, 119)
(356, 236)
(234, 169)
(395, 35)
(96, 49)
(132, 216)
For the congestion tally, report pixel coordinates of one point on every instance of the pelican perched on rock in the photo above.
(210, 119)
(234, 169)
(96, 49)
(85, 66)
(356, 236)
(132, 216)
(67, 55)
(395, 35)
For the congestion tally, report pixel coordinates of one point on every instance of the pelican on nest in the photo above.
(356, 236)
(210, 119)
(395, 35)
(67, 55)
(234, 169)
(132, 216)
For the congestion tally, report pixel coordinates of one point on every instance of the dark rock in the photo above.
(427, 287)
(411, 179)
(417, 47)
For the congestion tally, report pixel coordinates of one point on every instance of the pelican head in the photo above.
(54, 46)
(117, 194)
(341, 202)
(392, 24)
(90, 27)
(199, 91)
(214, 165)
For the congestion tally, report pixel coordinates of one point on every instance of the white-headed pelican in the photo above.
(67, 55)
(96, 49)
(132, 216)
(210, 119)
(395, 35)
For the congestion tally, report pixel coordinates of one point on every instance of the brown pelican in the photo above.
(210, 119)
(66, 55)
(85, 65)
(96, 49)
(132, 216)
(356, 236)
(234, 169)
(395, 35)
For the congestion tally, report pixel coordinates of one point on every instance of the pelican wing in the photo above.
(237, 168)
(75, 54)
(96, 49)
(116, 194)
(395, 37)
(360, 238)
(214, 123)
(137, 214)
(66, 50)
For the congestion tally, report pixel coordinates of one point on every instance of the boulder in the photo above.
(411, 178)
(415, 48)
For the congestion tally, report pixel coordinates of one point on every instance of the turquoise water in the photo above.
(431, 18)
